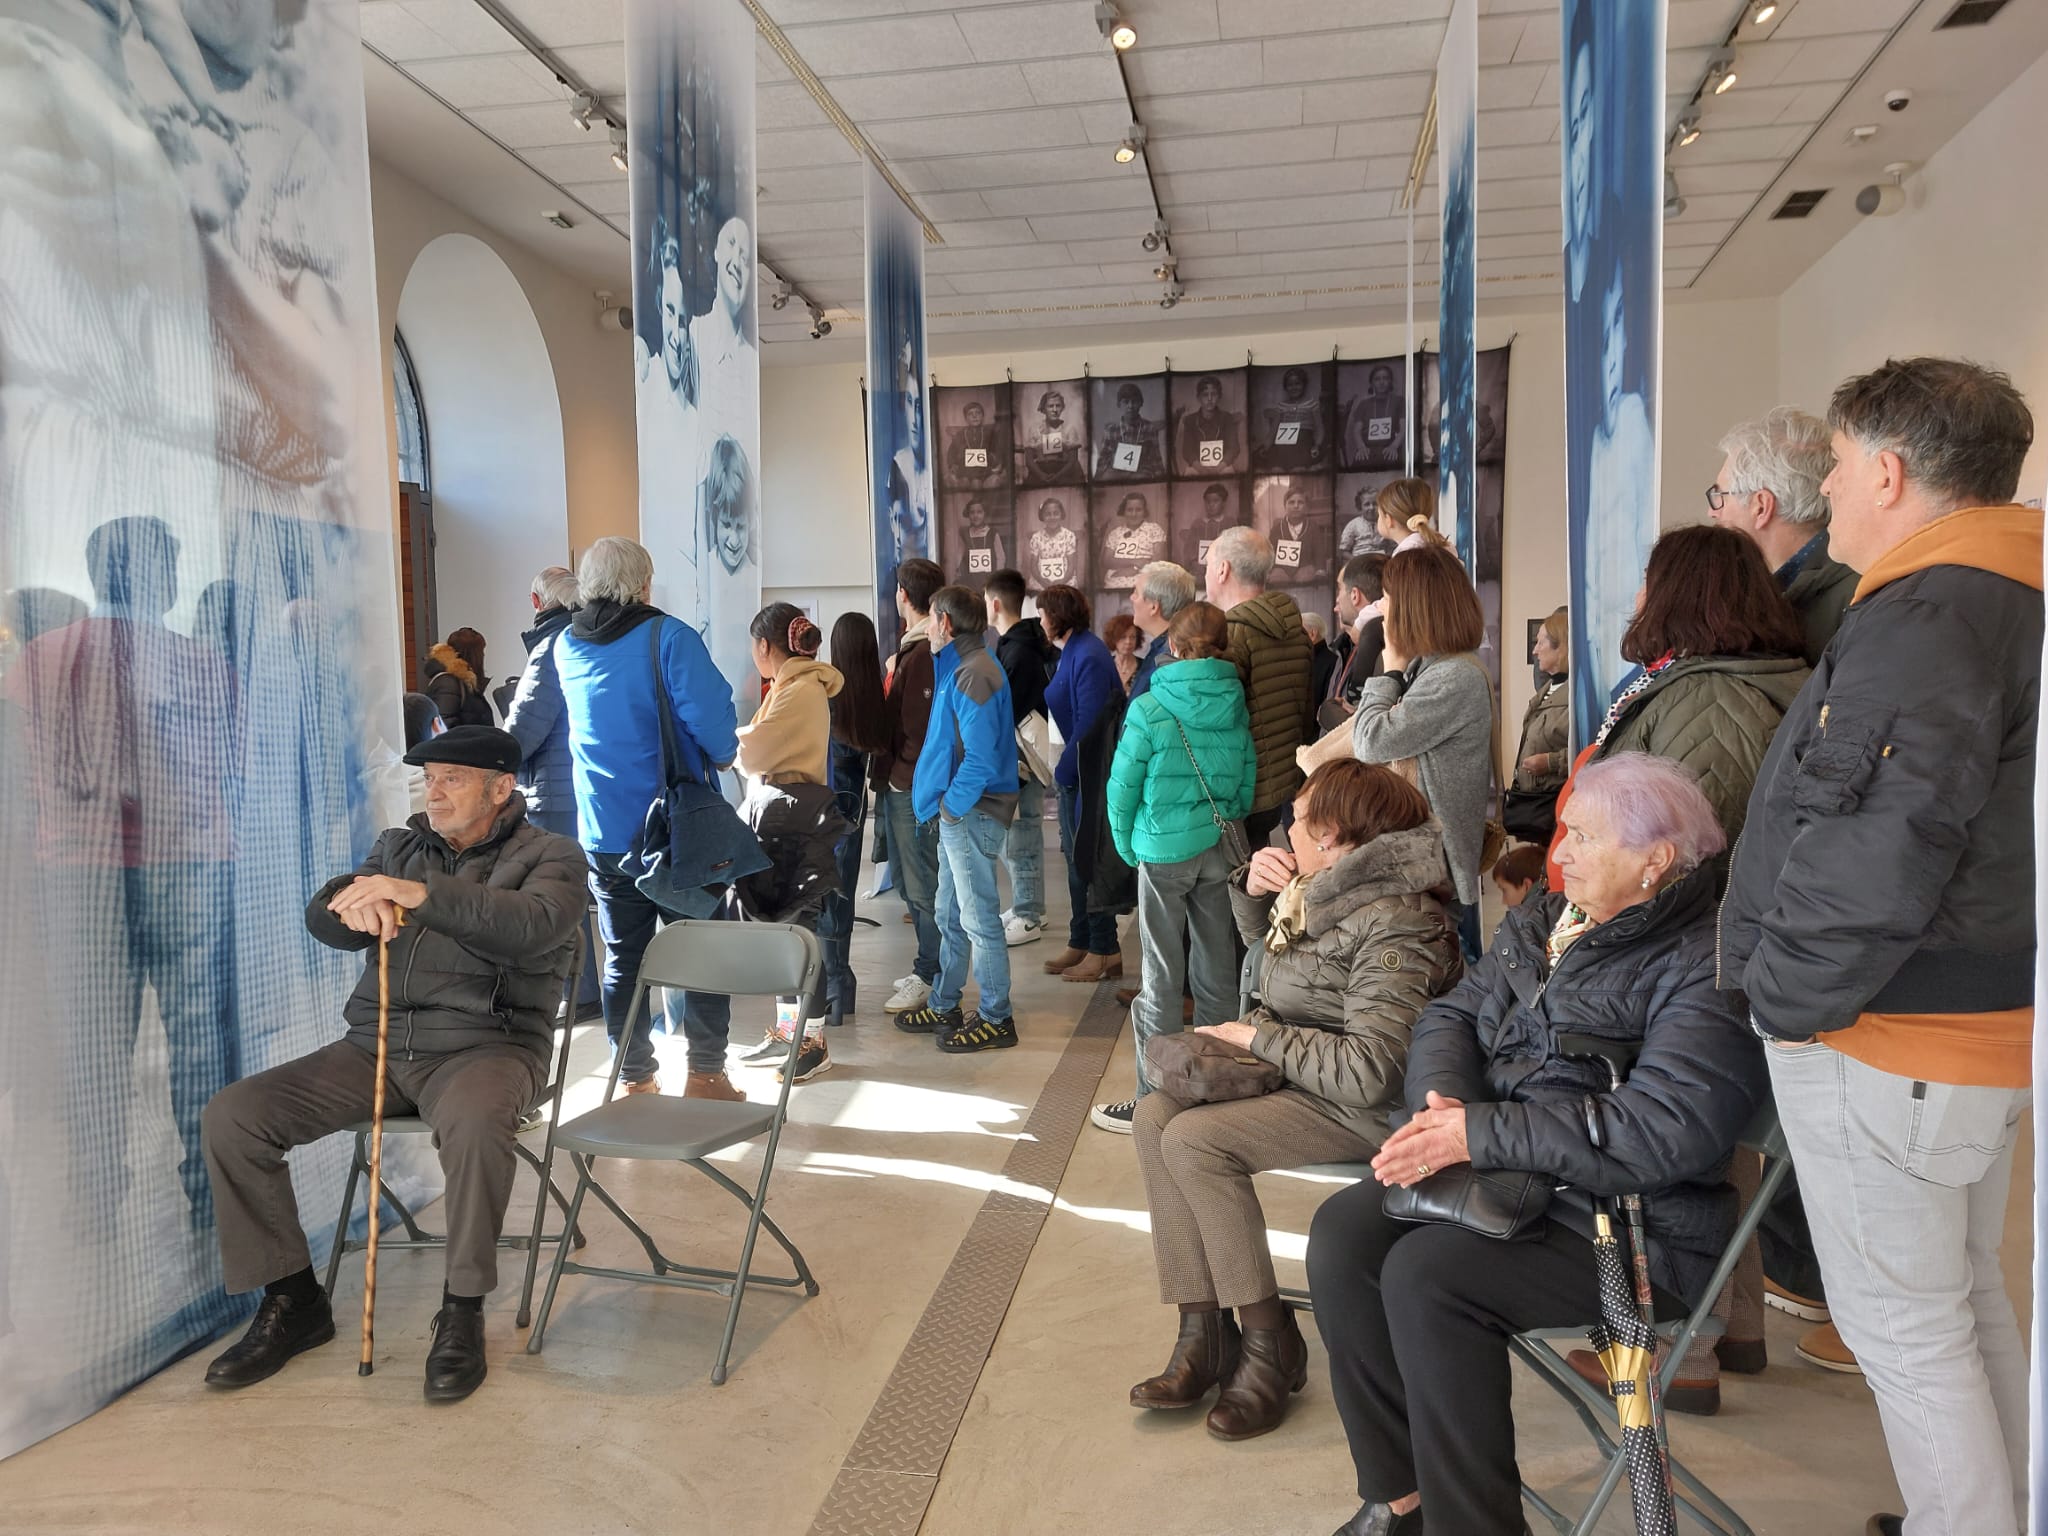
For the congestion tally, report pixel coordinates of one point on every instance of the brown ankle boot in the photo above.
(1094, 968)
(1205, 1353)
(1273, 1366)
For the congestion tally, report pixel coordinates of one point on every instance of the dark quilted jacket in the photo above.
(481, 960)
(1716, 715)
(1646, 975)
(1271, 650)
(1335, 1007)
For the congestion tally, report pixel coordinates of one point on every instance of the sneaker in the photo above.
(1115, 1117)
(278, 1331)
(978, 1034)
(1807, 1309)
(773, 1047)
(1021, 930)
(927, 1020)
(810, 1061)
(911, 993)
(1823, 1347)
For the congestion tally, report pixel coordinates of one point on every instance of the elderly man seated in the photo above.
(480, 909)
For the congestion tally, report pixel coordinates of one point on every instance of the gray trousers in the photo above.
(1905, 1185)
(1186, 935)
(473, 1099)
(1208, 1230)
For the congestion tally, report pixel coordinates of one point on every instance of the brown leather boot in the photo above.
(1094, 968)
(1272, 1367)
(712, 1085)
(1065, 960)
(1205, 1354)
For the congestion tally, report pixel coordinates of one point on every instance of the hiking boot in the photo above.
(928, 1020)
(979, 1034)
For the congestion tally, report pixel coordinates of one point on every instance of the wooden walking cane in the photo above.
(365, 1366)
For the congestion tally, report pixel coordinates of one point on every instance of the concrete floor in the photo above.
(616, 1428)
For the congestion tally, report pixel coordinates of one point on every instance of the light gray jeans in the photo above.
(1905, 1186)
(1186, 937)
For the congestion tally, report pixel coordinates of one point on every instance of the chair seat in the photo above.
(1336, 1170)
(648, 1126)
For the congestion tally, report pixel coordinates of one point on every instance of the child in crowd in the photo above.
(1518, 872)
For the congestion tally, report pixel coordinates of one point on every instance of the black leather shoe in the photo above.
(1378, 1520)
(1272, 1365)
(455, 1364)
(1204, 1356)
(278, 1331)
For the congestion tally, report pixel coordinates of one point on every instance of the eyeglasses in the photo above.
(1718, 498)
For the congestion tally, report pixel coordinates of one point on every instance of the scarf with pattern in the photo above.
(1620, 706)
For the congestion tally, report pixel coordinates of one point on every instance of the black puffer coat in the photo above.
(1647, 976)
(800, 827)
(481, 960)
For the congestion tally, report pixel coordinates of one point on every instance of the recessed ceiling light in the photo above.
(557, 218)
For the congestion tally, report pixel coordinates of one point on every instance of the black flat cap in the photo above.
(472, 746)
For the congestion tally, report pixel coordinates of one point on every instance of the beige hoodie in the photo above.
(790, 738)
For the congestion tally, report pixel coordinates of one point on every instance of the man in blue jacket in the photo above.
(967, 778)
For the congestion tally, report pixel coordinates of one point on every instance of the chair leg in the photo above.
(755, 1216)
(540, 1211)
(412, 1226)
(356, 1169)
(803, 1270)
(655, 1260)
(547, 1301)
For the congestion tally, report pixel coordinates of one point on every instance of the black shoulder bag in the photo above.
(693, 844)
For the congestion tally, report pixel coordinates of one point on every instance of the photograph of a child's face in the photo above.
(1051, 432)
(977, 535)
(1056, 543)
(974, 436)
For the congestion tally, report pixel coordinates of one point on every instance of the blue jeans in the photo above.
(627, 922)
(835, 918)
(1024, 852)
(970, 908)
(914, 856)
(1092, 933)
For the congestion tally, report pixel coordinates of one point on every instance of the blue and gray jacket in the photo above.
(969, 761)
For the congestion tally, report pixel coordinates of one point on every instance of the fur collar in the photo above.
(452, 663)
(1396, 864)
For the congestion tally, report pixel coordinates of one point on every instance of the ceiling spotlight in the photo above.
(1110, 23)
(1134, 141)
(1762, 12)
(580, 108)
(1166, 271)
(782, 296)
(1171, 296)
(1674, 205)
(1721, 74)
(619, 148)
(820, 326)
(1688, 130)
(1154, 237)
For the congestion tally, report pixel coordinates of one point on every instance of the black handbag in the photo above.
(693, 844)
(1510, 1206)
(1530, 815)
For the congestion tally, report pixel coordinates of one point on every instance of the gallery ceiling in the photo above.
(1279, 136)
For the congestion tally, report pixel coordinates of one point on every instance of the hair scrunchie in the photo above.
(802, 643)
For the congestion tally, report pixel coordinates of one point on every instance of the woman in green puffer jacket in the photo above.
(1189, 727)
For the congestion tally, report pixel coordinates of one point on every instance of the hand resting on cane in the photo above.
(371, 904)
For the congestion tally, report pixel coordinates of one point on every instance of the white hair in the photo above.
(1171, 586)
(615, 568)
(1247, 552)
(556, 587)
(1651, 800)
(1784, 451)
(1313, 623)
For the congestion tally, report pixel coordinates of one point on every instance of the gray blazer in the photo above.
(1445, 722)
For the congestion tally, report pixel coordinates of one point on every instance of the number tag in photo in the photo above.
(976, 458)
(1287, 552)
(1053, 570)
(981, 561)
(1380, 430)
(1202, 552)
(1212, 452)
(1126, 457)
(1287, 434)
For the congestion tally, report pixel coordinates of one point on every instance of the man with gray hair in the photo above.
(1768, 491)
(1880, 920)
(1272, 652)
(1163, 589)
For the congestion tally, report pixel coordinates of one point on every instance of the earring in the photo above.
(1646, 882)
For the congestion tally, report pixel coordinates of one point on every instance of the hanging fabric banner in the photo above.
(199, 677)
(696, 353)
(1457, 117)
(1614, 267)
(899, 455)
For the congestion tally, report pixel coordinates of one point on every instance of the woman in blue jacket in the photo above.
(1085, 683)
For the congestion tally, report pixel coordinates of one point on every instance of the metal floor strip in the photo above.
(892, 1469)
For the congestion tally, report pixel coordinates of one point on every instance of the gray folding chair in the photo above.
(1542, 1351)
(736, 960)
(550, 1101)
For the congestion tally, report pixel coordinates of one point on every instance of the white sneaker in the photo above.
(1115, 1117)
(1017, 930)
(910, 993)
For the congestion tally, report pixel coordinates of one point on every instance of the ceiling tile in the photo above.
(963, 173)
(565, 23)
(798, 13)
(1510, 85)
(1745, 108)
(1519, 192)
(1831, 58)
(1026, 31)
(1329, 176)
(798, 147)
(1695, 23)
(1054, 82)
(1077, 197)
(461, 25)
(870, 99)
(989, 232)
(612, 195)
(507, 79)
(1092, 226)
(1543, 218)
(816, 242)
(394, 32)
(1354, 233)
(1500, 36)
(1529, 125)
(1026, 281)
(940, 207)
(1352, 55)
(779, 218)
(952, 257)
(1291, 146)
(1818, 18)
(1320, 263)
(811, 184)
(1385, 136)
(1353, 101)
(785, 104)
(602, 67)
(1542, 42)
(532, 126)
(1711, 207)
(1268, 213)
(1264, 18)
(1181, 71)
(1723, 147)
(886, 45)
(982, 133)
(1518, 161)
(1168, 117)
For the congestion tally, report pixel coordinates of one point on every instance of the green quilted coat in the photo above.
(1157, 811)
(1716, 715)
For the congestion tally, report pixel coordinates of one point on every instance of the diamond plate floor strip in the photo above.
(889, 1474)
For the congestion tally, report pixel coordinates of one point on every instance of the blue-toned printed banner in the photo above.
(899, 454)
(1457, 120)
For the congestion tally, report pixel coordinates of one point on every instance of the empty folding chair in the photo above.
(543, 1165)
(737, 960)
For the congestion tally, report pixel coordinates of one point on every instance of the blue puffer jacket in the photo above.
(607, 678)
(1085, 682)
(1157, 810)
(969, 761)
(540, 724)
